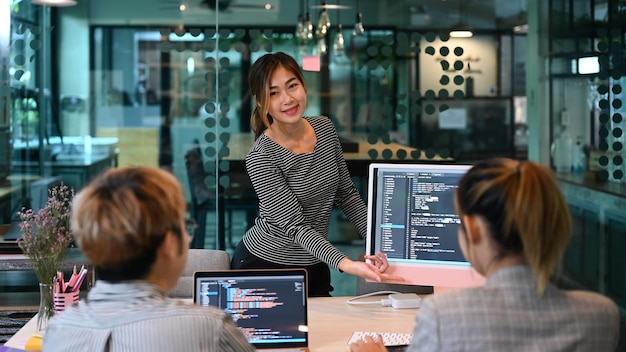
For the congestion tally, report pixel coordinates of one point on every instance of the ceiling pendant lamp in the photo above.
(461, 30)
(358, 26)
(54, 3)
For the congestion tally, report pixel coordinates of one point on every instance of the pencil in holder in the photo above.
(64, 300)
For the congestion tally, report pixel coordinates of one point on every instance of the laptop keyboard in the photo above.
(389, 338)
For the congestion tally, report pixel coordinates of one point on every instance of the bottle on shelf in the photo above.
(561, 151)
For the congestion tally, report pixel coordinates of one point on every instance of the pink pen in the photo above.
(79, 282)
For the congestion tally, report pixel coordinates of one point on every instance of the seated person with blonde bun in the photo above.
(515, 226)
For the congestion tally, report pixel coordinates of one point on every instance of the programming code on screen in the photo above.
(264, 309)
(415, 215)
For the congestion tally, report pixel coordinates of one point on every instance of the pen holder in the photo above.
(64, 300)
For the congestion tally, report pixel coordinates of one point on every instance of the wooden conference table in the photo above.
(331, 322)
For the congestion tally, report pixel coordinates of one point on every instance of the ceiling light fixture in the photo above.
(461, 30)
(339, 46)
(54, 3)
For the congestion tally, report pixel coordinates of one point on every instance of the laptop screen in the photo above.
(268, 305)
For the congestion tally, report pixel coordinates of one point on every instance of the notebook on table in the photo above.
(268, 305)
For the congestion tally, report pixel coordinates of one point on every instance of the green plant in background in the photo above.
(25, 116)
(15, 5)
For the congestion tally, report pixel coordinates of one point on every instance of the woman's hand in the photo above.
(366, 270)
(368, 344)
(379, 260)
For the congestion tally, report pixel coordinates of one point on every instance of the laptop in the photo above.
(268, 305)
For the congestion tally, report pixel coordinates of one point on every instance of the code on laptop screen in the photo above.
(267, 309)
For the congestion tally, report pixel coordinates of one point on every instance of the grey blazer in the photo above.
(507, 314)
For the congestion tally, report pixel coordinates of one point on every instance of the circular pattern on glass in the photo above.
(445, 65)
(430, 95)
(209, 151)
(617, 103)
(603, 104)
(616, 89)
(429, 109)
(19, 59)
(372, 50)
(430, 37)
(444, 51)
(617, 132)
(387, 51)
(458, 94)
(603, 160)
(604, 117)
(617, 118)
(373, 154)
(387, 154)
(35, 44)
(224, 122)
(429, 50)
(458, 51)
(618, 174)
(603, 46)
(458, 65)
(443, 94)
(603, 89)
(618, 160)
(444, 153)
(209, 107)
(603, 132)
(224, 165)
(209, 137)
(617, 146)
(603, 145)
(430, 153)
(209, 122)
(401, 154)
(18, 44)
(444, 107)
(225, 137)
(458, 80)
(416, 154)
(444, 80)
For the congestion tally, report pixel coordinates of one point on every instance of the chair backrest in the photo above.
(196, 174)
(199, 259)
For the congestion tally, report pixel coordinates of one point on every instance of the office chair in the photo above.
(199, 259)
(239, 195)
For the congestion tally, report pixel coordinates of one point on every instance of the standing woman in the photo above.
(515, 226)
(297, 168)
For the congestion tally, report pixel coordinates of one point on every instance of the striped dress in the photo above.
(297, 193)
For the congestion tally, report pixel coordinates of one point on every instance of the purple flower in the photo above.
(46, 234)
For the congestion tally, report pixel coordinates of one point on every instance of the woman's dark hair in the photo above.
(524, 208)
(259, 82)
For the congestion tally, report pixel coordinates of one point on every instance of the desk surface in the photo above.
(331, 322)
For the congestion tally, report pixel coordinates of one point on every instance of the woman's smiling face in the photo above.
(288, 98)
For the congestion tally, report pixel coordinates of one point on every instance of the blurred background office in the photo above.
(86, 85)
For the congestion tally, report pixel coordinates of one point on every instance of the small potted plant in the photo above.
(45, 236)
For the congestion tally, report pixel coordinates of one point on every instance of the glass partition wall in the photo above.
(176, 97)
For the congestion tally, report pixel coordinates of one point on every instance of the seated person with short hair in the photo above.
(515, 226)
(130, 224)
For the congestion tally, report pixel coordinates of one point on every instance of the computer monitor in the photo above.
(412, 219)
